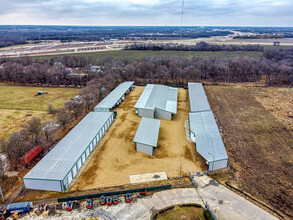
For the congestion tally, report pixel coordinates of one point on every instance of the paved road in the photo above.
(224, 203)
(228, 205)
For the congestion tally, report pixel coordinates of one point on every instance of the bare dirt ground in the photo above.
(258, 140)
(116, 157)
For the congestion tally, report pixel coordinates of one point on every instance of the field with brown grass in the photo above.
(18, 101)
(116, 158)
(256, 125)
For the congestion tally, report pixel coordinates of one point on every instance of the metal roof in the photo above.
(148, 132)
(59, 161)
(207, 136)
(197, 98)
(110, 100)
(158, 96)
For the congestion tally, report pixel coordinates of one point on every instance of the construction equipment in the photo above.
(115, 200)
(128, 198)
(109, 201)
(89, 204)
(102, 200)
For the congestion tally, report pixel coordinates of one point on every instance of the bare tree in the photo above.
(74, 106)
(63, 117)
(2, 172)
(8, 151)
(33, 130)
(49, 128)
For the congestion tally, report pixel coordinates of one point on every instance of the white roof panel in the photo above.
(197, 98)
(59, 161)
(158, 96)
(207, 136)
(148, 132)
(110, 100)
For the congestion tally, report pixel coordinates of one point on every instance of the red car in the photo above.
(128, 198)
(109, 201)
(102, 200)
(115, 200)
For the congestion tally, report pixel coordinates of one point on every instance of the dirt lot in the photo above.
(256, 126)
(116, 157)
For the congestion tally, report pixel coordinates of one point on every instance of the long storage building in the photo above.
(203, 129)
(115, 97)
(146, 136)
(157, 101)
(58, 168)
(197, 98)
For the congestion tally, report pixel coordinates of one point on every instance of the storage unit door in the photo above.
(74, 170)
(78, 163)
(88, 150)
(144, 148)
(83, 157)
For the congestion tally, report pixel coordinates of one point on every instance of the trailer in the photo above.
(29, 156)
(20, 208)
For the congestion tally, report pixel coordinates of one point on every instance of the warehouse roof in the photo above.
(207, 136)
(158, 96)
(59, 161)
(148, 132)
(110, 100)
(197, 98)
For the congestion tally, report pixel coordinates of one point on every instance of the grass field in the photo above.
(257, 130)
(17, 101)
(116, 159)
(179, 213)
(128, 54)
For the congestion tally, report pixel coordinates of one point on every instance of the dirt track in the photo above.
(116, 157)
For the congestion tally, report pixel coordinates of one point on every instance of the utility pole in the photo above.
(180, 169)
(182, 19)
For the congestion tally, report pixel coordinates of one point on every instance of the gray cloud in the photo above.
(147, 12)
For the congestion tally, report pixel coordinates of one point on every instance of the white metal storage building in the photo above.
(115, 97)
(157, 101)
(197, 98)
(57, 169)
(204, 131)
(146, 136)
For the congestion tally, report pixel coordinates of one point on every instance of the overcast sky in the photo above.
(147, 12)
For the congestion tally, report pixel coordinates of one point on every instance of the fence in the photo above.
(91, 196)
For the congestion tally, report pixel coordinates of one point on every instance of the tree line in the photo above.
(200, 46)
(275, 68)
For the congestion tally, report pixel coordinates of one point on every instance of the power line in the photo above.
(182, 19)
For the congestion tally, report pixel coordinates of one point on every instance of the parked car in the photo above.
(102, 200)
(69, 205)
(128, 198)
(109, 201)
(142, 193)
(115, 200)
(89, 204)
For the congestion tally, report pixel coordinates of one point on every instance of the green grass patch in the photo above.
(137, 54)
(20, 98)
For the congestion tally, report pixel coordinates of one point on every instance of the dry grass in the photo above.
(178, 213)
(17, 101)
(116, 157)
(259, 144)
